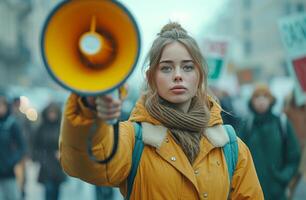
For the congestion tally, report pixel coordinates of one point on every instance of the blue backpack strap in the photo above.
(231, 151)
(138, 148)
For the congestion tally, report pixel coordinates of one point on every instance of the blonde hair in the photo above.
(173, 32)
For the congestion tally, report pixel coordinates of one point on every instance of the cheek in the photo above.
(266, 104)
(261, 104)
(194, 80)
(3, 109)
(161, 81)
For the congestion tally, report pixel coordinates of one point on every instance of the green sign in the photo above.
(215, 66)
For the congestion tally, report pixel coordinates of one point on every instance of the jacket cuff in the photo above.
(86, 110)
(77, 113)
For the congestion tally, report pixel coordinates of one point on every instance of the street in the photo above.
(71, 189)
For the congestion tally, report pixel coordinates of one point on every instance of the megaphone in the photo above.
(90, 47)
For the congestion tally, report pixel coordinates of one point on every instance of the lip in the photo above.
(178, 87)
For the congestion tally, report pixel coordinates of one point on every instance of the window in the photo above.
(300, 7)
(247, 47)
(287, 8)
(247, 4)
(247, 24)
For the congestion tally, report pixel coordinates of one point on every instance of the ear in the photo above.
(273, 101)
(147, 74)
(150, 78)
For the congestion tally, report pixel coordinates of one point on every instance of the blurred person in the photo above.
(46, 151)
(104, 193)
(297, 115)
(229, 116)
(182, 133)
(12, 151)
(299, 192)
(274, 146)
(25, 124)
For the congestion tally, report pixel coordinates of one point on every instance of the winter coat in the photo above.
(164, 171)
(276, 154)
(45, 152)
(12, 146)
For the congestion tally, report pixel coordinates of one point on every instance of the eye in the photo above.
(188, 68)
(166, 69)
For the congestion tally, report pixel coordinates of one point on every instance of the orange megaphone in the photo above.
(90, 46)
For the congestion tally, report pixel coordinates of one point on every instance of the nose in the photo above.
(177, 75)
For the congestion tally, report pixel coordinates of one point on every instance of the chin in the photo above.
(178, 100)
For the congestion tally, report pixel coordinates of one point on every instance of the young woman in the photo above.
(182, 132)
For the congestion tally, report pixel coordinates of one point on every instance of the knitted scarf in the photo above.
(186, 128)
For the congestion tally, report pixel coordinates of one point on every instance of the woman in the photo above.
(273, 144)
(177, 116)
(46, 151)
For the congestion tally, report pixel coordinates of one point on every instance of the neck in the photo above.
(183, 107)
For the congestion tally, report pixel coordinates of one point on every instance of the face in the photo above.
(261, 103)
(52, 115)
(177, 77)
(3, 107)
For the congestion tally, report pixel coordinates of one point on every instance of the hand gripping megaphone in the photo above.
(91, 47)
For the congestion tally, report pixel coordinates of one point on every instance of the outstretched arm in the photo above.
(76, 123)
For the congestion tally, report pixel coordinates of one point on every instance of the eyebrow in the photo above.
(170, 61)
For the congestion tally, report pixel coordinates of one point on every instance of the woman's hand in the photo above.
(107, 107)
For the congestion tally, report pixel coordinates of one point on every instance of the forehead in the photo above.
(175, 51)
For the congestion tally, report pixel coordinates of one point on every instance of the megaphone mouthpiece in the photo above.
(96, 49)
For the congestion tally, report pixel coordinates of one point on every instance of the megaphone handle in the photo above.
(115, 95)
(92, 132)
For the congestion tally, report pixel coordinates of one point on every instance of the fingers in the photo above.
(108, 108)
(90, 100)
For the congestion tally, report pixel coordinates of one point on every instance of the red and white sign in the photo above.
(293, 29)
(300, 71)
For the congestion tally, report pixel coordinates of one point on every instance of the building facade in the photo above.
(252, 26)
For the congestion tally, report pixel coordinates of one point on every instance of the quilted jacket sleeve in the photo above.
(76, 123)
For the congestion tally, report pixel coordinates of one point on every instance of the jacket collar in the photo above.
(154, 133)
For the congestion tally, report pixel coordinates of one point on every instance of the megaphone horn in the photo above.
(90, 47)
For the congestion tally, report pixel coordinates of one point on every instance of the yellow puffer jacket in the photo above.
(164, 171)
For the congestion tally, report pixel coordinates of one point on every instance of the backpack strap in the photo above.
(231, 151)
(138, 148)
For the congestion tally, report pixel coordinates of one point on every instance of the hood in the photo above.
(140, 114)
(253, 110)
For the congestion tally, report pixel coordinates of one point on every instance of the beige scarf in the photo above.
(187, 128)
